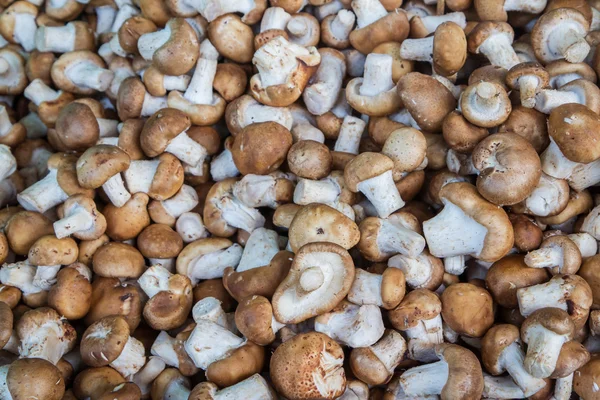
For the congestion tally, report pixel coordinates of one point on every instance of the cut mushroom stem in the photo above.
(154, 280)
(274, 18)
(455, 265)
(86, 74)
(547, 100)
(148, 43)
(368, 11)
(55, 39)
(80, 219)
(210, 342)
(501, 387)
(378, 75)
(308, 191)
(115, 190)
(240, 216)
(563, 387)
(499, 51)
(38, 92)
(351, 131)
(43, 195)
(423, 338)
(382, 193)
(223, 167)
(547, 257)
(152, 104)
(187, 150)
(394, 237)
(570, 43)
(131, 359)
(183, 201)
(8, 163)
(210, 309)
(512, 359)
(261, 247)
(200, 89)
(45, 276)
(417, 271)
(417, 49)
(528, 86)
(550, 294)
(366, 288)
(342, 24)
(425, 379)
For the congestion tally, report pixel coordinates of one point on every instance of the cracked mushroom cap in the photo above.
(417, 305)
(465, 378)
(318, 222)
(254, 319)
(100, 163)
(248, 149)
(180, 52)
(320, 277)
(449, 49)
(573, 355)
(467, 309)
(576, 130)
(427, 100)
(394, 27)
(494, 342)
(162, 127)
(509, 166)
(118, 260)
(309, 366)
(103, 341)
(49, 250)
(34, 378)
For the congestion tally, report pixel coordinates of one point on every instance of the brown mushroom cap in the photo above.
(61, 66)
(465, 378)
(162, 127)
(159, 241)
(131, 30)
(309, 366)
(71, 295)
(467, 309)
(494, 342)
(366, 166)
(104, 340)
(461, 135)
(180, 53)
(484, 30)
(254, 318)
(449, 49)
(394, 27)
(417, 305)
(94, 381)
(169, 309)
(34, 378)
(24, 228)
(551, 18)
(130, 98)
(243, 362)
(6, 323)
(49, 250)
(232, 38)
(118, 260)
(309, 159)
(528, 123)
(99, 163)
(553, 319)
(111, 297)
(76, 128)
(248, 149)
(586, 377)
(575, 129)
(126, 222)
(573, 355)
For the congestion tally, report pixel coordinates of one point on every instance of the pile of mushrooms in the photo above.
(299, 199)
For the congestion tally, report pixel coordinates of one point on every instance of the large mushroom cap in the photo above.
(104, 340)
(118, 260)
(34, 378)
(576, 130)
(49, 250)
(99, 163)
(320, 277)
(467, 309)
(162, 127)
(178, 54)
(553, 319)
(309, 366)
(586, 378)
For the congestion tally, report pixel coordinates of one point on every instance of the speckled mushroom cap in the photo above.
(309, 366)
(49, 250)
(130, 98)
(394, 27)
(62, 64)
(179, 54)
(417, 305)
(320, 277)
(467, 309)
(484, 30)
(510, 273)
(162, 127)
(576, 130)
(232, 38)
(553, 319)
(493, 343)
(366, 166)
(6, 323)
(541, 34)
(465, 378)
(318, 222)
(427, 100)
(159, 241)
(99, 163)
(34, 378)
(573, 355)
(103, 341)
(449, 49)
(118, 260)
(254, 319)
(248, 149)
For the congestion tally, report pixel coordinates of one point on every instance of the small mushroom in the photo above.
(81, 72)
(118, 260)
(559, 253)
(382, 238)
(18, 25)
(126, 223)
(528, 78)
(485, 104)
(255, 320)
(207, 258)
(232, 38)
(560, 33)
(49, 384)
(467, 309)
(384, 290)
(374, 25)
(13, 79)
(264, 190)
(48, 254)
(75, 35)
(134, 101)
(336, 28)
(494, 40)
(573, 356)
(322, 91)
(422, 272)
(375, 364)
(160, 178)
(71, 295)
(160, 245)
(80, 218)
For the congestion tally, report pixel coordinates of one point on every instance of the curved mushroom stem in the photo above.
(500, 387)
(455, 265)
(546, 257)
(8, 162)
(367, 12)
(563, 388)
(528, 87)
(77, 219)
(223, 167)
(428, 379)
(210, 342)
(186, 149)
(382, 193)
(180, 83)
(86, 74)
(24, 31)
(550, 294)
(311, 279)
(423, 338)
(274, 18)
(570, 43)
(512, 359)
(342, 24)
(55, 39)
(148, 43)
(350, 135)
(145, 377)
(190, 227)
(260, 248)
(548, 100)
(200, 89)
(38, 92)
(395, 237)
(125, 12)
(417, 271)
(131, 359)
(240, 216)
(212, 265)
(152, 104)
(4, 66)
(378, 75)
(499, 51)
(115, 190)
(417, 49)
(140, 174)
(42, 195)
(543, 349)
(308, 191)
(45, 276)
(183, 201)
(105, 16)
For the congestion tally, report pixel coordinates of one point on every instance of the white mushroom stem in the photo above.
(108, 127)
(146, 376)
(43, 195)
(321, 12)
(148, 43)
(171, 82)
(240, 216)
(214, 9)
(453, 233)
(164, 348)
(528, 86)
(455, 265)
(190, 227)
(423, 338)
(417, 271)
(324, 191)
(8, 163)
(115, 190)
(24, 31)
(200, 89)
(257, 191)
(591, 223)
(277, 60)
(587, 244)
(417, 49)
(55, 39)
(368, 11)
(183, 201)
(35, 127)
(177, 391)
(12, 346)
(256, 112)
(499, 51)
(45, 342)
(382, 193)
(431, 22)
(585, 175)
(4, 392)
(115, 46)
(154, 280)
(105, 16)
(378, 75)
(547, 100)
(543, 348)
(5, 123)
(500, 387)
(546, 257)
(210, 342)
(166, 263)
(209, 309)
(76, 220)
(351, 132)
(355, 62)
(512, 359)
(404, 117)
(545, 196)
(19, 275)
(550, 294)
(563, 388)
(568, 41)
(560, 80)
(45, 276)
(212, 265)
(223, 167)
(186, 149)
(526, 6)
(87, 74)
(274, 18)
(131, 359)
(305, 131)
(321, 95)
(140, 174)
(125, 12)
(354, 326)
(38, 92)
(366, 288)
(555, 164)
(428, 379)
(261, 247)
(342, 24)
(395, 237)
(252, 388)
(208, 51)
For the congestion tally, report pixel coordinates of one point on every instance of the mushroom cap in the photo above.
(366, 364)
(493, 343)
(118, 260)
(169, 376)
(242, 363)
(100, 163)
(199, 114)
(111, 297)
(309, 366)
(92, 381)
(62, 64)
(509, 274)
(370, 228)
(427, 100)
(320, 277)
(230, 81)
(318, 222)
(393, 287)
(162, 127)
(232, 38)
(585, 378)
(130, 98)
(131, 30)
(366, 166)
(417, 305)
(509, 166)
(8, 17)
(248, 149)
(487, 116)
(528, 123)
(573, 355)
(6, 323)
(465, 378)
(485, 30)
(104, 340)
(49, 250)
(400, 67)
(71, 295)
(126, 222)
(254, 319)
(15, 78)
(394, 27)
(449, 49)
(543, 28)
(42, 319)
(24, 228)
(500, 237)
(467, 309)
(488, 73)
(570, 252)
(179, 54)
(169, 309)
(159, 241)
(379, 105)
(575, 129)
(560, 67)
(309, 159)
(461, 135)
(527, 69)
(34, 378)
(553, 319)
(168, 178)
(199, 248)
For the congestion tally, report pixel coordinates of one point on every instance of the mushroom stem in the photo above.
(499, 51)
(78, 220)
(367, 12)
(500, 387)
(12, 346)
(152, 104)
(240, 216)
(547, 257)
(223, 167)
(148, 43)
(417, 271)
(526, 6)
(212, 265)
(512, 359)
(19, 275)
(586, 243)
(43, 195)
(560, 80)
(277, 60)
(311, 279)
(146, 376)
(428, 379)
(327, 9)
(45, 276)
(24, 31)
(154, 280)
(485, 97)
(453, 233)
(563, 387)
(366, 288)
(260, 248)
(35, 127)
(210, 309)
(177, 390)
(115, 190)
(550, 294)
(46, 342)
(55, 39)
(257, 191)
(187, 150)
(190, 227)
(528, 86)
(131, 359)
(108, 127)
(297, 27)
(584, 175)
(570, 43)
(382, 193)
(417, 49)
(183, 201)
(105, 16)
(554, 162)
(547, 100)
(115, 46)
(308, 191)
(351, 132)
(38, 92)
(125, 12)
(342, 24)
(208, 51)
(394, 237)
(86, 74)
(164, 348)
(423, 338)
(210, 342)
(321, 95)
(166, 263)
(4, 66)
(140, 174)
(180, 83)
(253, 388)
(455, 265)
(274, 18)
(542, 351)
(390, 350)
(200, 89)
(378, 75)
(8, 163)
